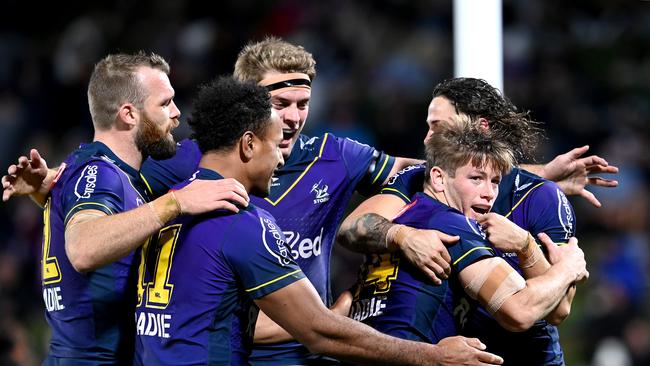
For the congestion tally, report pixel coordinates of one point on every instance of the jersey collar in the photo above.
(207, 174)
(107, 154)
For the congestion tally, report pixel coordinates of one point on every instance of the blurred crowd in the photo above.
(581, 67)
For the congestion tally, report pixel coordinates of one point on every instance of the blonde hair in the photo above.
(114, 81)
(273, 54)
(462, 141)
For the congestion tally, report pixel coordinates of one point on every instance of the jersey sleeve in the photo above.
(405, 183)
(260, 258)
(161, 175)
(96, 185)
(365, 164)
(472, 245)
(549, 211)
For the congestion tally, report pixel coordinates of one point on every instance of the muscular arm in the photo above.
(94, 239)
(507, 236)
(516, 304)
(563, 309)
(298, 309)
(267, 331)
(365, 230)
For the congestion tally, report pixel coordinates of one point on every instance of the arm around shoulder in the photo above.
(298, 309)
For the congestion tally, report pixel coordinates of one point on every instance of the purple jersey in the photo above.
(197, 282)
(308, 198)
(396, 298)
(537, 205)
(91, 314)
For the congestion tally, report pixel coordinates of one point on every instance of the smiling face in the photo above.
(472, 190)
(268, 157)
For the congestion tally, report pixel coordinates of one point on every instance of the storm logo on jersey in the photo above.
(321, 192)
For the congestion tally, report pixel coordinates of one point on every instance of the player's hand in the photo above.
(26, 177)
(465, 351)
(573, 173)
(569, 253)
(343, 303)
(503, 233)
(202, 196)
(426, 250)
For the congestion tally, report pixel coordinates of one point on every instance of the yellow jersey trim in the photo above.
(146, 184)
(320, 153)
(381, 170)
(471, 250)
(522, 198)
(395, 190)
(85, 204)
(274, 280)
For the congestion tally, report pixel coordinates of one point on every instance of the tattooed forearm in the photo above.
(366, 234)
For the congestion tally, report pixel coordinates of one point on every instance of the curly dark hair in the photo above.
(462, 142)
(476, 98)
(226, 108)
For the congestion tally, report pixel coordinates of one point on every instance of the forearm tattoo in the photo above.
(366, 235)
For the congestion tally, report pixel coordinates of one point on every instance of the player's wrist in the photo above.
(394, 239)
(166, 208)
(529, 254)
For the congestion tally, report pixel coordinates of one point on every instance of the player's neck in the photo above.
(228, 165)
(438, 195)
(122, 146)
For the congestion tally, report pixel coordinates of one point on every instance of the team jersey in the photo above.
(396, 298)
(308, 197)
(197, 281)
(536, 205)
(91, 314)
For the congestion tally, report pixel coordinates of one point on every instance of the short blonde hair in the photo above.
(114, 81)
(463, 141)
(273, 54)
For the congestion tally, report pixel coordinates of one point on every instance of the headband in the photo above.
(279, 83)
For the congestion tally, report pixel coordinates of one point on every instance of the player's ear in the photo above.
(437, 179)
(127, 114)
(246, 145)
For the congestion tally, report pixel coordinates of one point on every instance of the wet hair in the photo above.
(225, 109)
(273, 54)
(114, 81)
(476, 98)
(463, 141)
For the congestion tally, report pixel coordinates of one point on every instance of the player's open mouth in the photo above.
(481, 209)
(287, 135)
